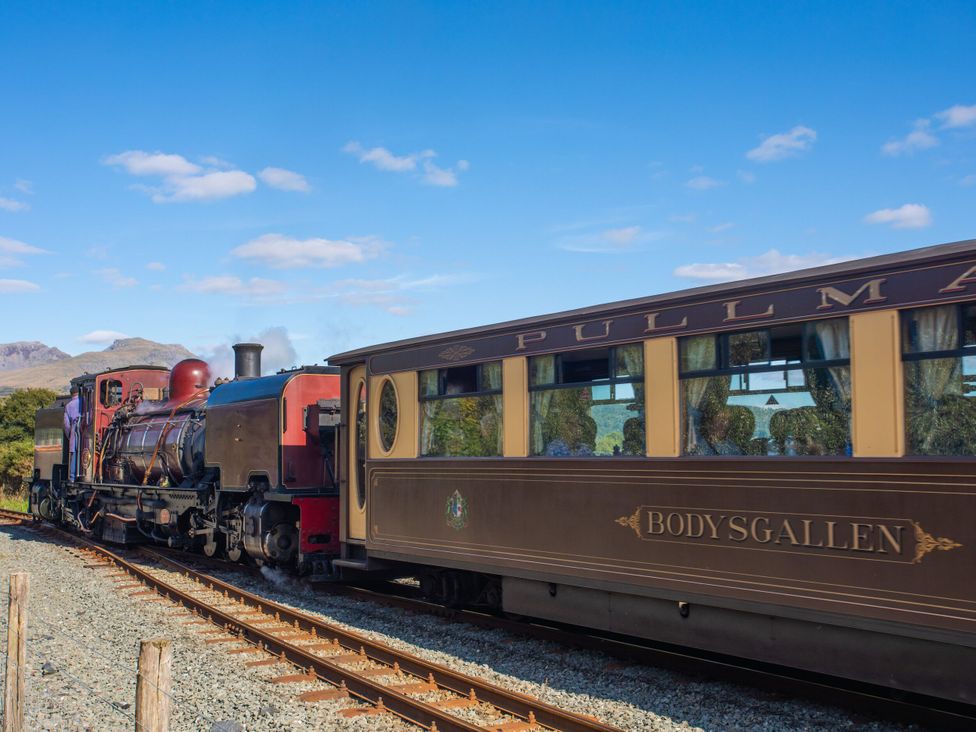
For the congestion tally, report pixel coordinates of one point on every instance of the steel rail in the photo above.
(512, 703)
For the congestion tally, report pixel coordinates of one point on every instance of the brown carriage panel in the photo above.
(242, 440)
(891, 540)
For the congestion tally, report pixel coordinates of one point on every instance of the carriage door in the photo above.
(356, 487)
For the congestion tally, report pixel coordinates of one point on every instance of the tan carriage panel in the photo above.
(878, 402)
(355, 515)
(515, 407)
(661, 408)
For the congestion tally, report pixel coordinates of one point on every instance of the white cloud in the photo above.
(24, 186)
(768, 263)
(12, 287)
(421, 161)
(918, 139)
(9, 204)
(156, 266)
(285, 180)
(957, 116)
(783, 145)
(392, 294)
(623, 239)
(256, 287)
(182, 180)
(206, 187)
(102, 336)
(280, 251)
(115, 278)
(13, 246)
(435, 176)
(746, 176)
(704, 183)
(278, 353)
(383, 159)
(909, 216)
(721, 227)
(138, 162)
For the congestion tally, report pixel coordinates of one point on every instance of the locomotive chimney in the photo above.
(247, 360)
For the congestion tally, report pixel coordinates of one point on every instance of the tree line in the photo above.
(17, 412)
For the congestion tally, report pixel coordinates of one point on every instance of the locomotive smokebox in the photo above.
(247, 360)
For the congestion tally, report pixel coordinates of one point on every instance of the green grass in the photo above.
(13, 501)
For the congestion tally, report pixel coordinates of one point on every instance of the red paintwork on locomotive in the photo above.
(96, 415)
(301, 455)
(189, 377)
(319, 517)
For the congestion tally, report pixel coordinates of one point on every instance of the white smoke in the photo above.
(278, 353)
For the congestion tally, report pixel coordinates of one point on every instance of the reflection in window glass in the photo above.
(578, 409)
(776, 391)
(361, 446)
(48, 436)
(940, 408)
(388, 415)
(461, 411)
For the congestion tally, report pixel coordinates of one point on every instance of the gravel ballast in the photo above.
(89, 632)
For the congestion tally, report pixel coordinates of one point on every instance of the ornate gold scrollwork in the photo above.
(633, 521)
(455, 353)
(926, 543)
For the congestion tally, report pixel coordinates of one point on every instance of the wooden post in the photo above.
(153, 686)
(13, 693)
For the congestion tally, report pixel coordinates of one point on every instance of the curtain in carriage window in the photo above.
(939, 352)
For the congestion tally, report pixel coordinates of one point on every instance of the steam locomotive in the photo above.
(243, 468)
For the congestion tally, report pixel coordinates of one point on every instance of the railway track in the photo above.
(463, 692)
(339, 663)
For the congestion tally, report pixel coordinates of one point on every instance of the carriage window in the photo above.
(361, 446)
(48, 436)
(388, 415)
(939, 353)
(587, 402)
(461, 411)
(111, 393)
(773, 391)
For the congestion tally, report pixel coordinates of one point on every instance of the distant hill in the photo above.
(57, 373)
(24, 354)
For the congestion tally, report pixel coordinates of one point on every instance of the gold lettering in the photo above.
(524, 339)
(767, 532)
(873, 288)
(731, 312)
(830, 536)
(712, 526)
(691, 533)
(655, 523)
(681, 524)
(653, 327)
(738, 527)
(960, 282)
(786, 531)
(859, 537)
(580, 338)
(806, 534)
(885, 533)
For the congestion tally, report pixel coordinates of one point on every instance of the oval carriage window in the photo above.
(361, 446)
(388, 415)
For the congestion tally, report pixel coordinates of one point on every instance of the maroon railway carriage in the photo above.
(243, 468)
(779, 469)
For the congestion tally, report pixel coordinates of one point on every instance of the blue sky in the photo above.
(362, 172)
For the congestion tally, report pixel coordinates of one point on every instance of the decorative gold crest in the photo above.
(926, 543)
(455, 353)
(633, 521)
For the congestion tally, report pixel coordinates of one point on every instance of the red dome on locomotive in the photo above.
(188, 377)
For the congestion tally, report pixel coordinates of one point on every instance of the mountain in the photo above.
(58, 373)
(24, 354)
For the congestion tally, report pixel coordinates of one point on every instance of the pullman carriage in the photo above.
(779, 469)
